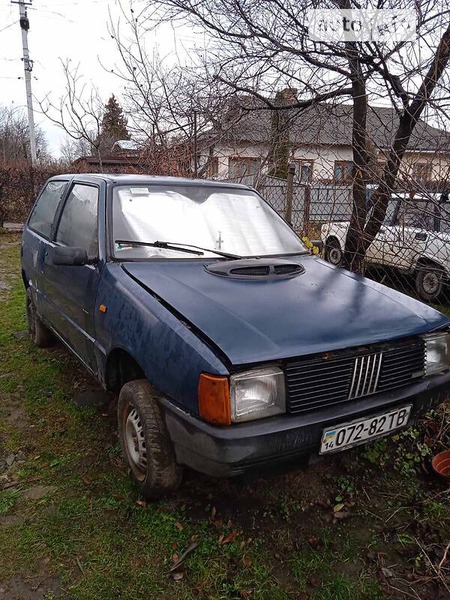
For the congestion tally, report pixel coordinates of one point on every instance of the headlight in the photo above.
(257, 393)
(437, 348)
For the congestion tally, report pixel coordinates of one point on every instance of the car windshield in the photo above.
(229, 220)
(417, 213)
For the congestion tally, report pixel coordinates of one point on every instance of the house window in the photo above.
(212, 170)
(421, 171)
(238, 166)
(343, 171)
(304, 170)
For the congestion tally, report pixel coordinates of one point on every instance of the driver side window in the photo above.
(78, 224)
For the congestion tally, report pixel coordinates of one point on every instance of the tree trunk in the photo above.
(408, 121)
(354, 245)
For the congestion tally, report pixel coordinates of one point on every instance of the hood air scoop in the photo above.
(256, 269)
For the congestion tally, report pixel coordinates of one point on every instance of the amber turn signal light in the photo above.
(214, 399)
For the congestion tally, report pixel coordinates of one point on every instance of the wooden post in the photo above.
(289, 193)
(306, 207)
(195, 145)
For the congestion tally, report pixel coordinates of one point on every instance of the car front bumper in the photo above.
(283, 440)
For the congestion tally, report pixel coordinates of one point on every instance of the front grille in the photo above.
(366, 373)
(338, 377)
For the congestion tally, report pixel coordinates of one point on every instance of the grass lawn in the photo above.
(371, 523)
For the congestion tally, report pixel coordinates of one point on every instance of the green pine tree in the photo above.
(114, 126)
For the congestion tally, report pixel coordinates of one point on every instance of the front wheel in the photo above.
(333, 252)
(146, 445)
(429, 283)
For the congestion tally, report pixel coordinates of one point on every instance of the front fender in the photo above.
(170, 354)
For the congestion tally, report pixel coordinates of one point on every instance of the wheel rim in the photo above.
(335, 255)
(431, 283)
(135, 444)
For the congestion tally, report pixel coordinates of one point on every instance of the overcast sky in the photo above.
(76, 29)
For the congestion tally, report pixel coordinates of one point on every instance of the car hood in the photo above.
(323, 309)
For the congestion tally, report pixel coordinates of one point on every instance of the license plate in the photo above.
(345, 436)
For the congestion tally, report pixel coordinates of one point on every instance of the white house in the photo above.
(320, 143)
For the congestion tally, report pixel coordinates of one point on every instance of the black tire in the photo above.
(41, 336)
(146, 445)
(333, 252)
(429, 283)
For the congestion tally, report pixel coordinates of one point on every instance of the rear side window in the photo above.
(78, 224)
(43, 214)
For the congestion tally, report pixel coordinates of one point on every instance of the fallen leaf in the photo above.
(338, 507)
(387, 572)
(339, 516)
(247, 561)
(86, 481)
(179, 526)
(218, 523)
(118, 497)
(324, 503)
(213, 512)
(141, 503)
(229, 538)
(230, 523)
(183, 556)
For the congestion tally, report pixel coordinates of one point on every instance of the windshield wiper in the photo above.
(177, 246)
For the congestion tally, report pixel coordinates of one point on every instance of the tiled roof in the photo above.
(328, 125)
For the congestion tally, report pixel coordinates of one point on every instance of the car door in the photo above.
(72, 289)
(409, 236)
(36, 238)
(376, 251)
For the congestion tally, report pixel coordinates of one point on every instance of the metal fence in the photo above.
(312, 204)
(411, 252)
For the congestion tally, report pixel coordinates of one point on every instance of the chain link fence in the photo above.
(411, 251)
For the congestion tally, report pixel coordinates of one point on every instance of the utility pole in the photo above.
(28, 67)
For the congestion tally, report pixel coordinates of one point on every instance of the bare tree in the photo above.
(170, 102)
(71, 149)
(256, 48)
(78, 112)
(14, 136)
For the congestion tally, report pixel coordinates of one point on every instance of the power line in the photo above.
(8, 26)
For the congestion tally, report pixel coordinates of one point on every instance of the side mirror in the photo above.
(74, 257)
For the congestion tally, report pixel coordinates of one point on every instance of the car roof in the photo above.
(126, 179)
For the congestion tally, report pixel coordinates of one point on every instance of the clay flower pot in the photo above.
(441, 464)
